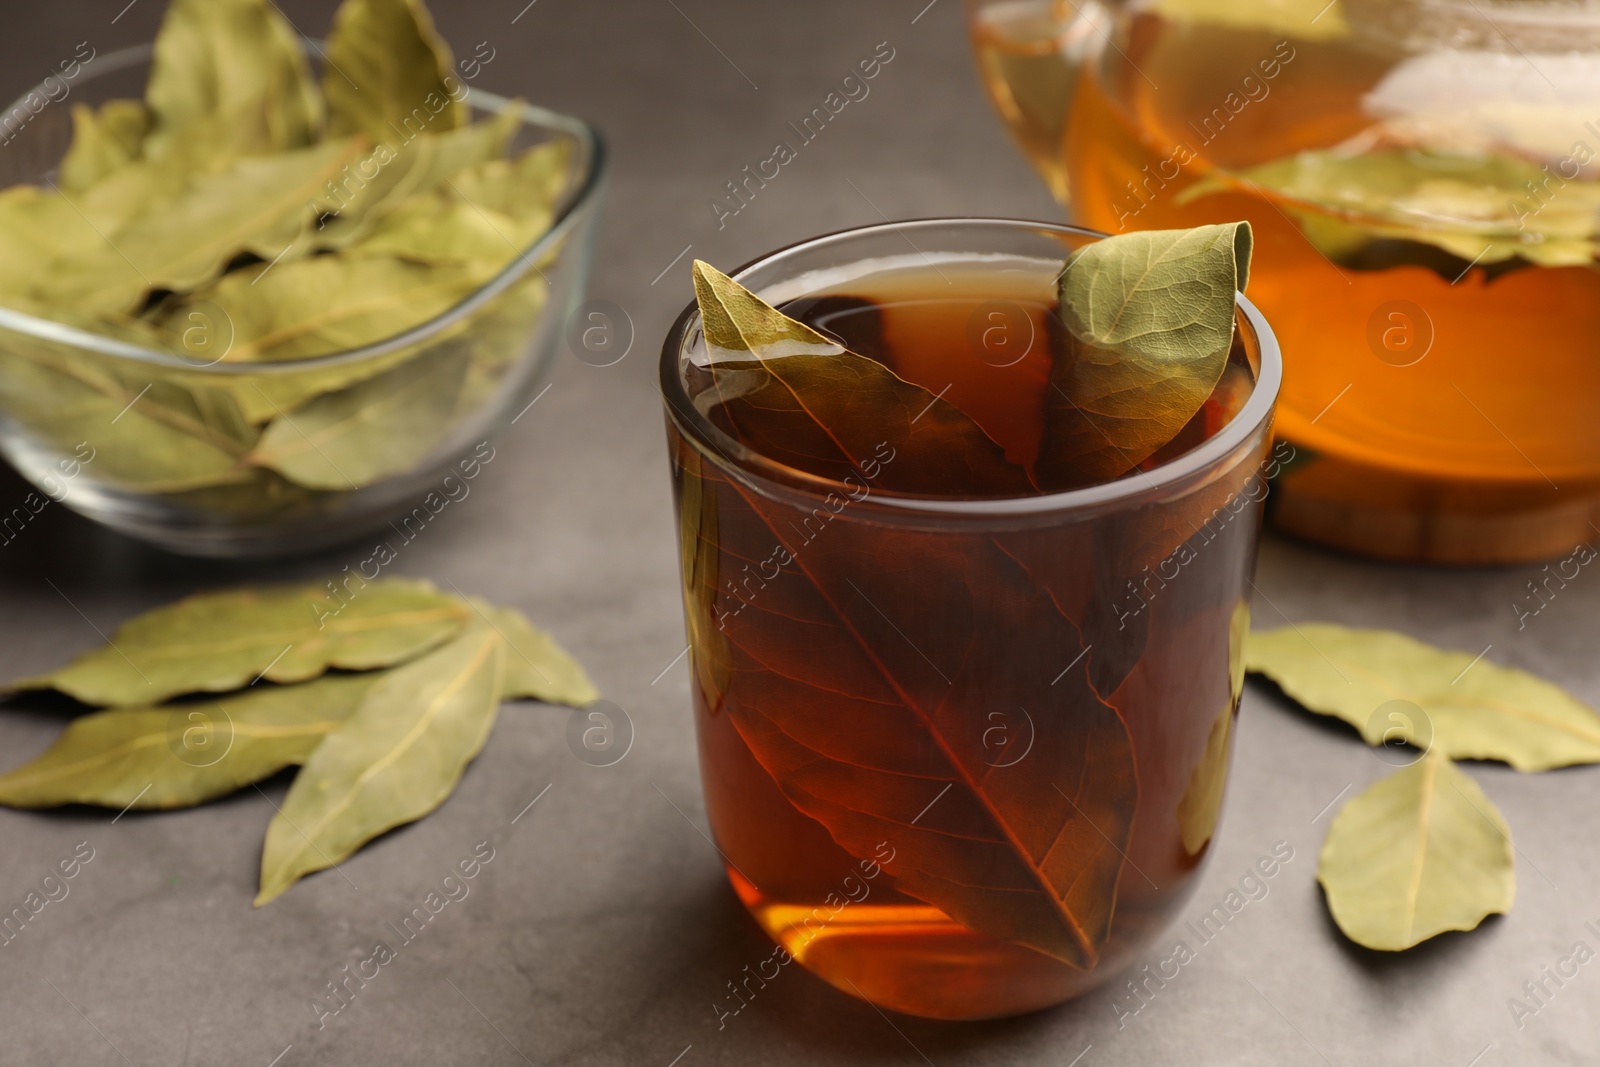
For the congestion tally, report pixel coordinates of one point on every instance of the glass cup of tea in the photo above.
(1423, 177)
(963, 749)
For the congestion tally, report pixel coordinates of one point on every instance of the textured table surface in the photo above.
(603, 932)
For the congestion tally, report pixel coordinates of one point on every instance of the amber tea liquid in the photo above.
(960, 768)
(1449, 404)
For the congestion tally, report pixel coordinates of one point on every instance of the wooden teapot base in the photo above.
(1400, 518)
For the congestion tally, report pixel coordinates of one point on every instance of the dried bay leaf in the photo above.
(435, 230)
(214, 642)
(795, 396)
(527, 187)
(389, 71)
(402, 167)
(1421, 852)
(1201, 804)
(1471, 708)
(179, 755)
(1477, 207)
(825, 677)
(133, 448)
(398, 757)
(488, 213)
(134, 234)
(536, 667)
(360, 435)
(103, 141)
(1152, 314)
(324, 304)
(229, 78)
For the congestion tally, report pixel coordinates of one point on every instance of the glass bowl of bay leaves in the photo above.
(263, 313)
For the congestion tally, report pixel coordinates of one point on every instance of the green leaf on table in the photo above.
(1421, 852)
(1469, 707)
(389, 73)
(103, 141)
(360, 435)
(398, 757)
(229, 78)
(179, 755)
(215, 642)
(793, 395)
(1477, 207)
(1151, 315)
(536, 667)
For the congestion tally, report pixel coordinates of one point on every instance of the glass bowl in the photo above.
(112, 428)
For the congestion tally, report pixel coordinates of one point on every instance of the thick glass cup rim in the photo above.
(765, 475)
(591, 169)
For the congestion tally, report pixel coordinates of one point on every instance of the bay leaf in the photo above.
(389, 72)
(1421, 852)
(864, 681)
(179, 755)
(398, 757)
(215, 642)
(134, 234)
(325, 304)
(404, 166)
(795, 396)
(1470, 707)
(489, 213)
(1201, 804)
(1475, 206)
(431, 229)
(380, 427)
(34, 223)
(526, 188)
(229, 78)
(1152, 315)
(133, 448)
(103, 140)
(536, 667)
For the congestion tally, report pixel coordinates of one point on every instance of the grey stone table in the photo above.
(603, 930)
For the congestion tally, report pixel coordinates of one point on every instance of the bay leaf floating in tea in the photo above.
(1454, 702)
(798, 397)
(215, 642)
(273, 219)
(182, 754)
(1201, 805)
(1421, 852)
(1152, 314)
(391, 762)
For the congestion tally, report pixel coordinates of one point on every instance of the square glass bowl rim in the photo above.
(770, 478)
(579, 196)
